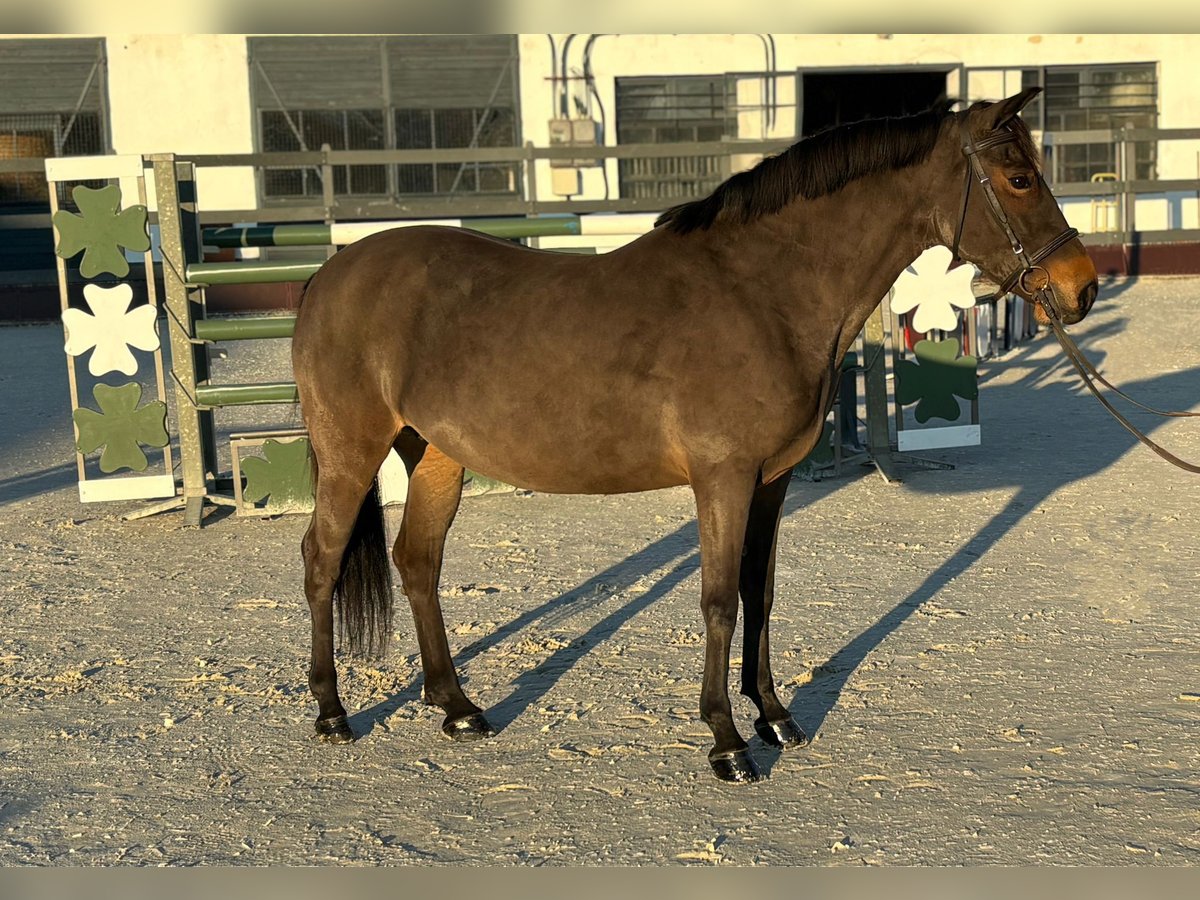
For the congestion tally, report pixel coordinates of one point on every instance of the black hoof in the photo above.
(781, 732)
(734, 766)
(335, 731)
(471, 727)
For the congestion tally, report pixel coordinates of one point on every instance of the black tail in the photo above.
(363, 593)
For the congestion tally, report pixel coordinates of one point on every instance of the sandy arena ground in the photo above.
(1000, 663)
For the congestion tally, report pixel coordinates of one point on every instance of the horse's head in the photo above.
(1007, 222)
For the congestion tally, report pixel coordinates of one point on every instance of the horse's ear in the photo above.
(998, 114)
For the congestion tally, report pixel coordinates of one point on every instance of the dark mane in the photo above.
(816, 166)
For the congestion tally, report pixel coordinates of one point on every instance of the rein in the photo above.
(1043, 293)
(1087, 372)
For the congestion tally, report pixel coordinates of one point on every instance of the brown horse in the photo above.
(703, 354)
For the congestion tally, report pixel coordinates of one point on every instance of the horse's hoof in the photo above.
(734, 766)
(472, 727)
(781, 732)
(335, 731)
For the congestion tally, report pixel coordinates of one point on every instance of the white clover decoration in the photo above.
(112, 328)
(933, 289)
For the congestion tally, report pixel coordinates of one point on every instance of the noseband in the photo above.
(1043, 294)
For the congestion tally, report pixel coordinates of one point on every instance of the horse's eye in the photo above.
(1020, 182)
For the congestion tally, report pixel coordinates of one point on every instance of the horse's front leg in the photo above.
(722, 504)
(775, 724)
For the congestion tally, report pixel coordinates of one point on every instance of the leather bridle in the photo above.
(1043, 294)
(1030, 262)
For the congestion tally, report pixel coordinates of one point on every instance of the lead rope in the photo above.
(1077, 355)
(1086, 371)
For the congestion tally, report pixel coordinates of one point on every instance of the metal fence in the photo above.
(25, 136)
(530, 165)
(1119, 192)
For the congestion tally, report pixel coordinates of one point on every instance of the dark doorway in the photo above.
(836, 98)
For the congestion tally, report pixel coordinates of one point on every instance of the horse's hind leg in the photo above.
(346, 520)
(775, 724)
(434, 492)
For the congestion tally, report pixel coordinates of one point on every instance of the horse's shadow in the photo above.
(1041, 397)
(677, 550)
(1061, 460)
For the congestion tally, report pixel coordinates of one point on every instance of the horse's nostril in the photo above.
(1087, 296)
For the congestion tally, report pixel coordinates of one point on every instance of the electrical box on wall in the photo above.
(574, 133)
(566, 182)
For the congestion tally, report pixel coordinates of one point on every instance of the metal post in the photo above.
(180, 330)
(1128, 151)
(531, 191)
(327, 197)
(879, 443)
(971, 348)
(1129, 175)
(193, 249)
(392, 172)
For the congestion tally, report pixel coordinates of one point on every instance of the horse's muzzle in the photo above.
(1075, 312)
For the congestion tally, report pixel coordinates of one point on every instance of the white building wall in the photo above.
(191, 93)
(185, 94)
(617, 56)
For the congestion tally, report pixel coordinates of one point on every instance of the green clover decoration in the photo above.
(283, 473)
(938, 376)
(100, 231)
(121, 426)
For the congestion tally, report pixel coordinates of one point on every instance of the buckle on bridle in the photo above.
(1036, 289)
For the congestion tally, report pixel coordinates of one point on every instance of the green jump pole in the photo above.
(268, 236)
(342, 233)
(245, 328)
(253, 272)
(515, 227)
(245, 394)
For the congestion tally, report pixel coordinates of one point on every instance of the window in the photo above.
(52, 103)
(439, 128)
(307, 129)
(1083, 98)
(680, 109)
(428, 92)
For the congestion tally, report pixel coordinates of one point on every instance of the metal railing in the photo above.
(1123, 189)
(334, 208)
